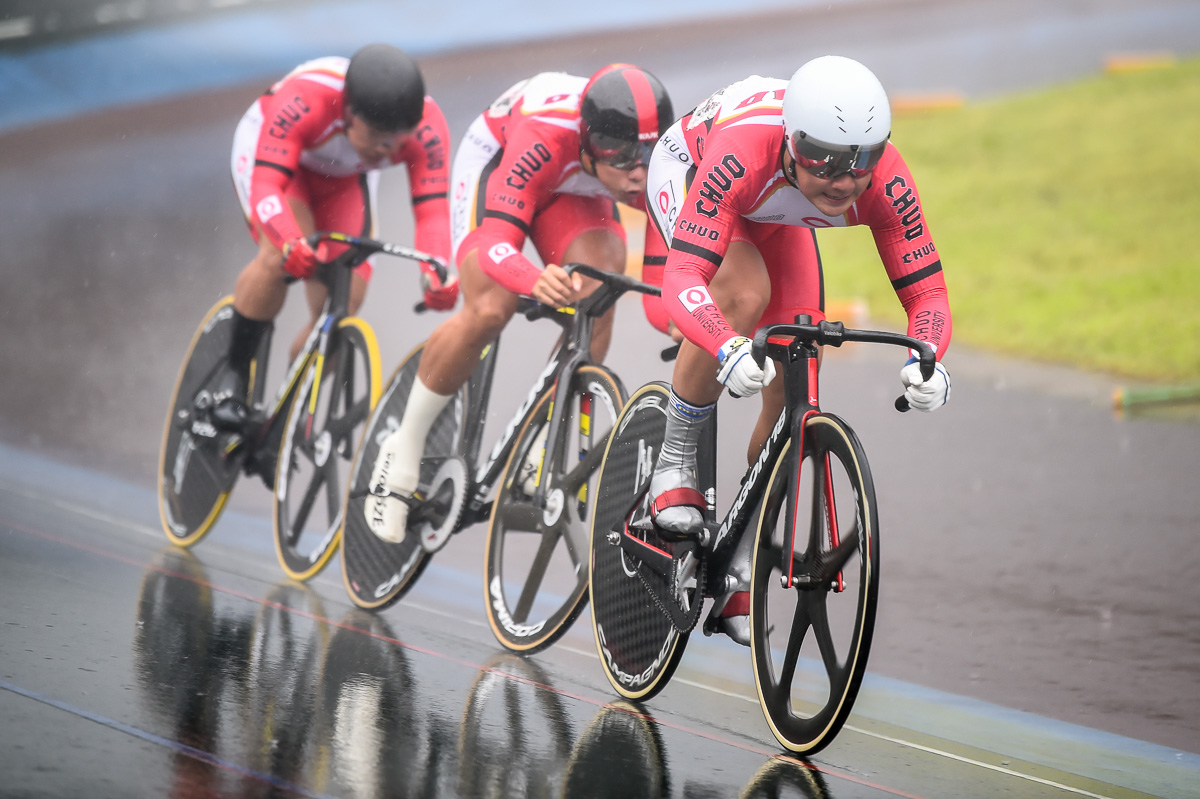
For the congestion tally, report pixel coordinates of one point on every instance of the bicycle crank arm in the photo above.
(475, 514)
(659, 561)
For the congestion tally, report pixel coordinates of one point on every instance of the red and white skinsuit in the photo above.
(717, 177)
(292, 143)
(517, 175)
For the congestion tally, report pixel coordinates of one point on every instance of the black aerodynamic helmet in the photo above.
(623, 112)
(384, 86)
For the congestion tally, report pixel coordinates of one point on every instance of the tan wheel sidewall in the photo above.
(219, 505)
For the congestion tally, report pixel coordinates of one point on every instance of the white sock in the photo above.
(676, 466)
(398, 464)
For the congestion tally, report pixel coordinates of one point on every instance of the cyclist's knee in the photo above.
(487, 314)
(602, 249)
(260, 289)
(268, 261)
(772, 406)
(742, 305)
(742, 287)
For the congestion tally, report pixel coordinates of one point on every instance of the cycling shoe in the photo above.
(678, 505)
(733, 618)
(230, 412)
(393, 482)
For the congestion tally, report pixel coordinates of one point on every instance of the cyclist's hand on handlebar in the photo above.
(738, 372)
(555, 287)
(300, 259)
(925, 395)
(439, 296)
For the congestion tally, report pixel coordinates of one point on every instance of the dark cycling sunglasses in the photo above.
(830, 160)
(619, 154)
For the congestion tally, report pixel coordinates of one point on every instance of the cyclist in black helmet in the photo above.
(307, 156)
(546, 162)
(384, 88)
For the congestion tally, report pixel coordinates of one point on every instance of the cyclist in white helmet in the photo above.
(737, 189)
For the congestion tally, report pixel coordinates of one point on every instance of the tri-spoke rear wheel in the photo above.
(335, 397)
(537, 556)
(810, 641)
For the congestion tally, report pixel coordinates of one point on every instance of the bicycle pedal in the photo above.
(263, 466)
(712, 623)
(413, 500)
(699, 535)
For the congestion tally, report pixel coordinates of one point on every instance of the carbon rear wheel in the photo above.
(377, 573)
(198, 466)
(639, 646)
(536, 561)
(810, 642)
(323, 426)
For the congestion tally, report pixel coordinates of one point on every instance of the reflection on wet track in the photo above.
(273, 694)
(220, 684)
(128, 669)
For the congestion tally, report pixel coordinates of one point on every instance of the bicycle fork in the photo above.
(822, 522)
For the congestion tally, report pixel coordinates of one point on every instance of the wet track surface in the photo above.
(1049, 570)
(178, 674)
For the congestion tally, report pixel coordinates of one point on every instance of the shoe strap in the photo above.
(678, 497)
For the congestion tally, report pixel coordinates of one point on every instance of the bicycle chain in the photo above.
(673, 613)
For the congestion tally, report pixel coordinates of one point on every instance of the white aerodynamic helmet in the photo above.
(836, 117)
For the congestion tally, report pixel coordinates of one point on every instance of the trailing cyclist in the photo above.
(307, 156)
(738, 187)
(546, 161)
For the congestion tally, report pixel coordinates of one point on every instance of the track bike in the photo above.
(542, 469)
(300, 443)
(815, 567)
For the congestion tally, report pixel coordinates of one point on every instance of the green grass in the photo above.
(1068, 222)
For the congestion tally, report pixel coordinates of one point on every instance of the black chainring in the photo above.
(665, 595)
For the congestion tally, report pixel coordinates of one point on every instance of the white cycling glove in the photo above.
(925, 395)
(738, 371)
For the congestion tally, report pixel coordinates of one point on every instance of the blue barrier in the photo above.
(59, 80)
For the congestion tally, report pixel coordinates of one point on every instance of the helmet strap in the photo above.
(586, 161)
(789, 166)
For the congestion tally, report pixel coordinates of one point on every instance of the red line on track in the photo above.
(475, 666)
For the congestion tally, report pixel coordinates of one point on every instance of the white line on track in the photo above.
(125, 524)
(591, 654)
